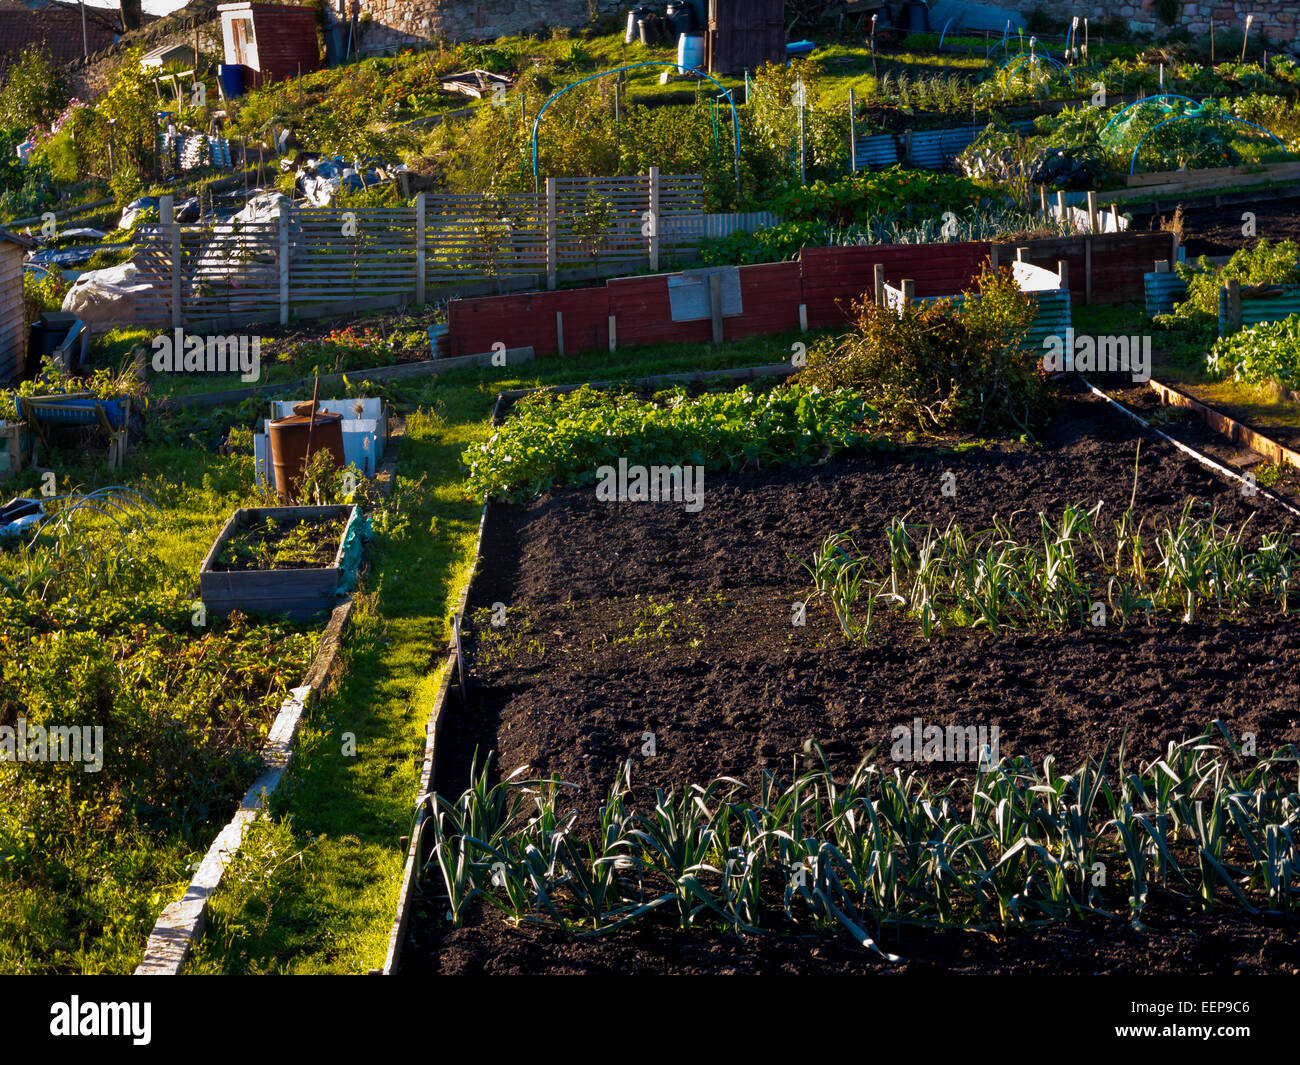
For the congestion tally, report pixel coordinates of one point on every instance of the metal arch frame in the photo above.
(735, 115)
(1198, 114)
(1020, 60)
(1146, 100)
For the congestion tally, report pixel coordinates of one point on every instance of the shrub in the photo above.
(42, 292)
(1264, 264)
(35, 91)
(942, 365)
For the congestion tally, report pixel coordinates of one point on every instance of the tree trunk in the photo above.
(131, 16)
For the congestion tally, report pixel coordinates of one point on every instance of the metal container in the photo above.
(682, 18)
(634, 18)
(289, 447)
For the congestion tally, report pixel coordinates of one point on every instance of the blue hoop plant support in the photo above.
(735, 115)
(1021, 60)
(1201, 115)
(1146, 100)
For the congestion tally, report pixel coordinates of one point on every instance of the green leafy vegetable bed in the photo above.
(564, 439)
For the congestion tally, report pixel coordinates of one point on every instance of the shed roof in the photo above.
(17, 238)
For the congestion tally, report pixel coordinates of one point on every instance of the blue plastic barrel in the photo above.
(232, 78)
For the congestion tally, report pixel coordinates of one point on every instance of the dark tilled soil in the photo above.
(627, 619)
(1185, 945)
(1210, 230)
(275, 545)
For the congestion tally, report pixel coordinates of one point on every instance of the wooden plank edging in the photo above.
(1204, 460)
(1237, 432)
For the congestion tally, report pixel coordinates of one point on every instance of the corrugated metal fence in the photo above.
(933, 149)
(1261, 304)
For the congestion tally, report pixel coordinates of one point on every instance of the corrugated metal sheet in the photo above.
(936, 149)
(1162, 292)
(1053, 318)
(723, 225)
(878, 151)
(1256, 309)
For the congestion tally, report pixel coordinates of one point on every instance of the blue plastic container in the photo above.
(232, 79)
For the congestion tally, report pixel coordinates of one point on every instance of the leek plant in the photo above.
(996, 580)
(883, 849)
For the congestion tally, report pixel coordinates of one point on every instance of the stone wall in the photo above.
(1279, 19)
(389, 25)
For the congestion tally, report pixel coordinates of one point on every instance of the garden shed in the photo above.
(270, 41)
(744, 34)
(13, 324)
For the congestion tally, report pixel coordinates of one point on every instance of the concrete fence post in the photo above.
(420, 265)
(654, 219)
(552, 234)
(284, 263)
(169, 225)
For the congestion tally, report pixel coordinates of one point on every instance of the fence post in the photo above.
(879, 284)
(613, 333)
(1042, 200)
(552, 234)
(715, 305)
(654, 219)
(907, 148)
(419, 247)
(853, 133)
(1092, 212)
(1063, 272)
(1060, 211)
(559, 332)
(1087, 267)
(909, 292)
(284, 263)
(1234, 304)
(167, 216)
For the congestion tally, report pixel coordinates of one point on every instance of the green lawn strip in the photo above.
(315, 889)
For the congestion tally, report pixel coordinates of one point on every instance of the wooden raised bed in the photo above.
(298, 593)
